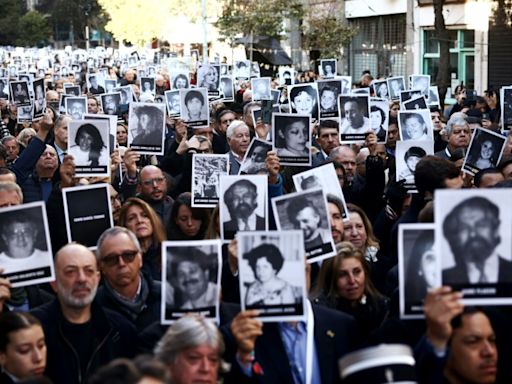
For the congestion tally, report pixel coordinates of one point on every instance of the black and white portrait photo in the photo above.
(379, 118)
(328, 92)
(24, 114)
(292, 138)
(395, 86)
(226, 88)
(304, 100)
(255, 69)
(506, 107)
(418, 102)
(323, 177)
(19, 93)
(127, 95)
(190, 279)
(71, 89)
(408, 95)
(88, 143)
(172, 100)
(39, 98)
(254, 159)
(146, 128)
(88, 213)
(180, 80)
(346, 84)
(306, 210)
(473, 233)
(242, 70)
(484, 151)
(415, 125)
(327, 68)
(76, 106)
(194, 107)
(243, 205)
(408, 154)
(147, 88)
(25, 254)
(95, 83)
(286, 76)
(354, 117)
(418, 267)
(276, 95)
(261, 89)
(110, 84)
(208, 77)
(224, 70)
(206, 172)
(110, 103)
(422, 83)
(380, 89)
(272, 275)
(4, 88)
(433, 96)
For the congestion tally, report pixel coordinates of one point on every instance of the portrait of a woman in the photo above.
(266, 261)
(292, 139)
(208, 77)
(89, 148)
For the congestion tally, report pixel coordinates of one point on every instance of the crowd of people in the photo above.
(99, 321)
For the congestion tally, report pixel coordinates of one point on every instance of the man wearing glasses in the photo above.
(125, 288)
(151, 186)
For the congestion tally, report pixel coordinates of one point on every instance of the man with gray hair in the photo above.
(10, 194)
(458, 134)
(80, 335)
(125, 288)
(239, 137)
(192, 348)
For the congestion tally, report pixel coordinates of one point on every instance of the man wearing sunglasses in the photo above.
(125, 288)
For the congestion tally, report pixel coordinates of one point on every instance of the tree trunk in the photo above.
(443, 71)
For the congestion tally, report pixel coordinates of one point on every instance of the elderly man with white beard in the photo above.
(80, 335)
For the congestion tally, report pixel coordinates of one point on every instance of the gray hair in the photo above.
(114, 231)
(234, 125)
(249, 106)
(457, 118)
(8, 138)
(188, 332)
(9, 187)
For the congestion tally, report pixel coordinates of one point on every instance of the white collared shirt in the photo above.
(251, 221)
(491, 270)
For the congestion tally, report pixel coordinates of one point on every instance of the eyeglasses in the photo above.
(150, 182)
(20, 232)
(127, 256)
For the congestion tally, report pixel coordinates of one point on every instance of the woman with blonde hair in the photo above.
(142, 220)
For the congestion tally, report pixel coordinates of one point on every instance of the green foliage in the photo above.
(10, 13)
(325, 33)
(261, 18)
(33, 29)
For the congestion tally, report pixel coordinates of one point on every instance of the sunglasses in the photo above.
(127, 256)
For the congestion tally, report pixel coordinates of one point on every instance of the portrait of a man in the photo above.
(241, 200)
(355, 115)
(305, 215)
(472, 229)
(94, 87)
(192, 276)
(173, 102)
(111, 103)
(20, 234)
(76, 107)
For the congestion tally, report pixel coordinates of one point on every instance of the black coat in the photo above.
(336, 334)
(112, 336)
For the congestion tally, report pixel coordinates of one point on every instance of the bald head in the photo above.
(153, 184)
(76, 278)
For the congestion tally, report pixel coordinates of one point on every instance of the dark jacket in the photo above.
(335, 335)
(112, 337)
(150, 311)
